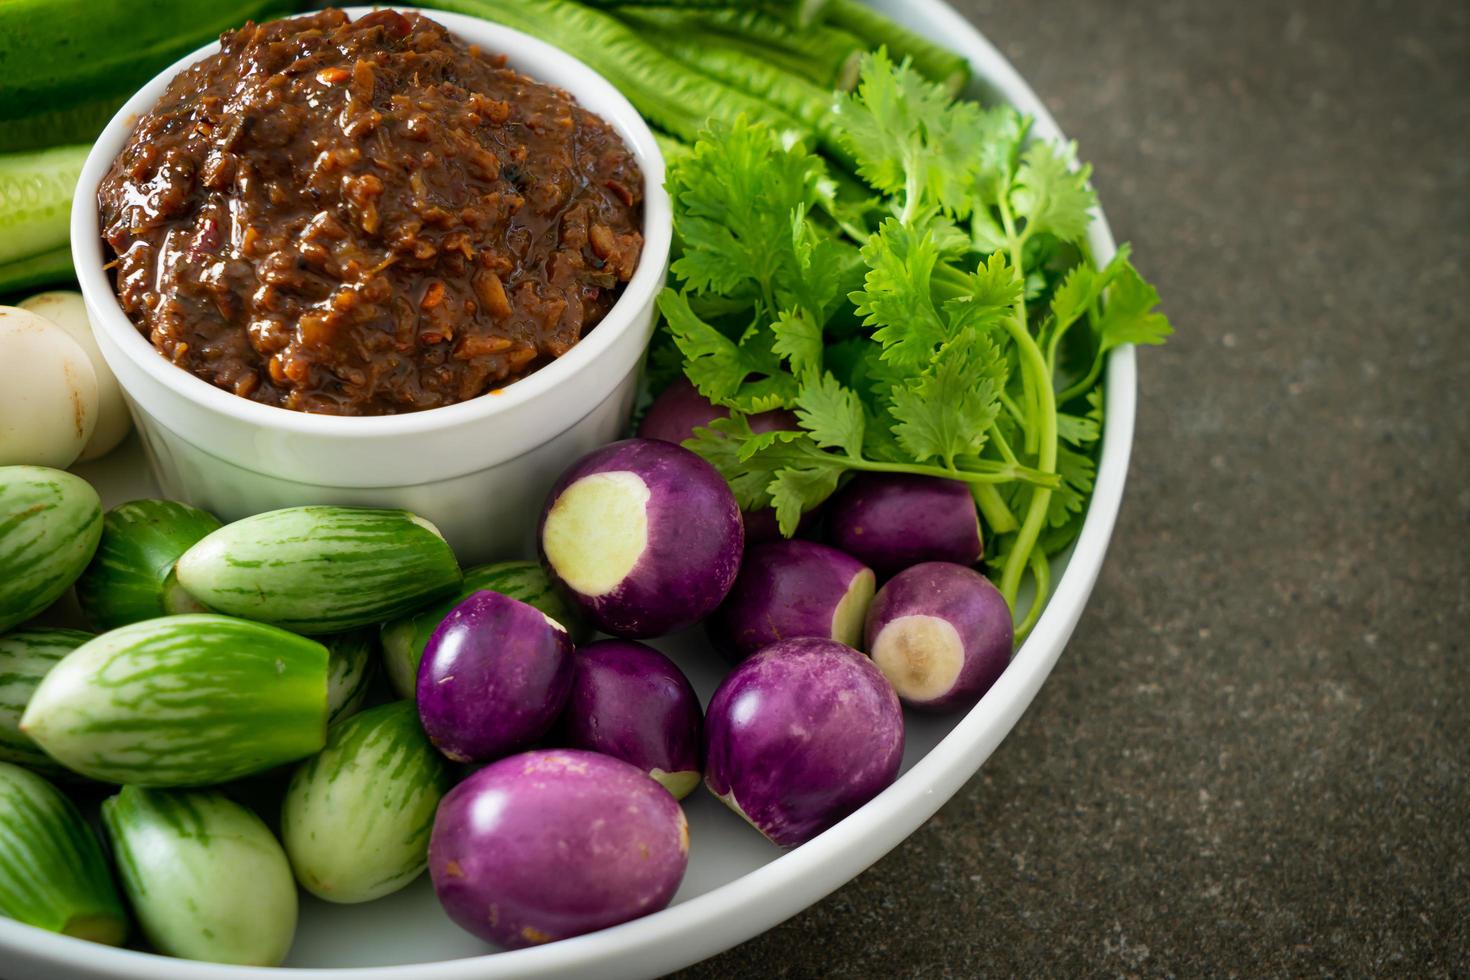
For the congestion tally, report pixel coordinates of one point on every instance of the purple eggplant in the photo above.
(680, 409)
(787, 589)
(631, 702)
(494, 677)
(941, 634)
(892, 521)
(644, 536)
(555, 843)
(800, 735)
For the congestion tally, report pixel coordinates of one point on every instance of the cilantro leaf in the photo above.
(1129, 316)
(909, 138)
(994, 290)
(736, 193)
(798, 489)
(712, 361)
(798, 339)
(949, 409)
(832, 414)
(1052, 197)
(897, 295)
(1077, 471)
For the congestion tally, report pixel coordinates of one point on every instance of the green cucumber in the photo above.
(934, 61)
(67, 65)
(187, 700)
(204, 875)
(46, 269)
(350, 670)
(321, 569)
(50, 522)
(404, 639)
(357, 816)
(664, 91)
(131, 577)
(53, 874)
(26, 656)
(36, 189)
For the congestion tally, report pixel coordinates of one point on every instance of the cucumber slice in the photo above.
(50, 522)
(205, 876)
(320, 569)
(131, 577)
(35, 199)
(188, 700)
(46, 269)
(357, 816)
(53, 874)
(26, 656)
(351, 667)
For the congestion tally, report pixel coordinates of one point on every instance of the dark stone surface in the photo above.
(1254, 757)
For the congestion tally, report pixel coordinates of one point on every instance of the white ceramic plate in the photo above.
(738, 885)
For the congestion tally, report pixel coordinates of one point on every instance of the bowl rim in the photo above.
(716, 920)
(638, 294)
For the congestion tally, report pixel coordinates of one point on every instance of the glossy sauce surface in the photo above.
(367, 217)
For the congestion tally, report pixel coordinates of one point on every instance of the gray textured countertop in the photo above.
(1254, 756)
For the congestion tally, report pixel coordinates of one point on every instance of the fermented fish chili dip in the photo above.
(367, 217)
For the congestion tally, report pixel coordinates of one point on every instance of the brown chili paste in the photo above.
(367, 217)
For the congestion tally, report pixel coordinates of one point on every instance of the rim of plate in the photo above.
(732, 913)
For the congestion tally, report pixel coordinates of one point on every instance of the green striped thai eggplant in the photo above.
(49, 525)
(52, 871)
(187, 700)
(131, 577)
(204, 875)
(321, 569)
(351, 666)
(357, 816)
(26, 656)
(404, 638)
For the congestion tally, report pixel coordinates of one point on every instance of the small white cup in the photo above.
(479, 469)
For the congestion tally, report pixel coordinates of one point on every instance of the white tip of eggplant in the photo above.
(920, 655)
(852, 610)
(597, 531)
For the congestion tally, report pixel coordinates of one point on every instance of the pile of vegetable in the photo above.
(887, 281)
(877, 407)
(335, 665)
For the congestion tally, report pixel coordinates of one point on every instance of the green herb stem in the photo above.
(1041, 572)
(1041, 439)
(998, 517)
(1086, 384)
(992, 474)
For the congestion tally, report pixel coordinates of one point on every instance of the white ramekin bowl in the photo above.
(480, 469)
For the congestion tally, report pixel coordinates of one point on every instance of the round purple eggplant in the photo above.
(631, 702)
(800, 735)
(494, 677)
(787, 589)
(555, 843)
(941, 634)
(644, 536)
(680, 409)
(891, 521)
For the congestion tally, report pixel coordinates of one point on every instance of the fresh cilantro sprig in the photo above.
(960, 336)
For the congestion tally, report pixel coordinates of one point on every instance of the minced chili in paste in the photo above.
(367, 217)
